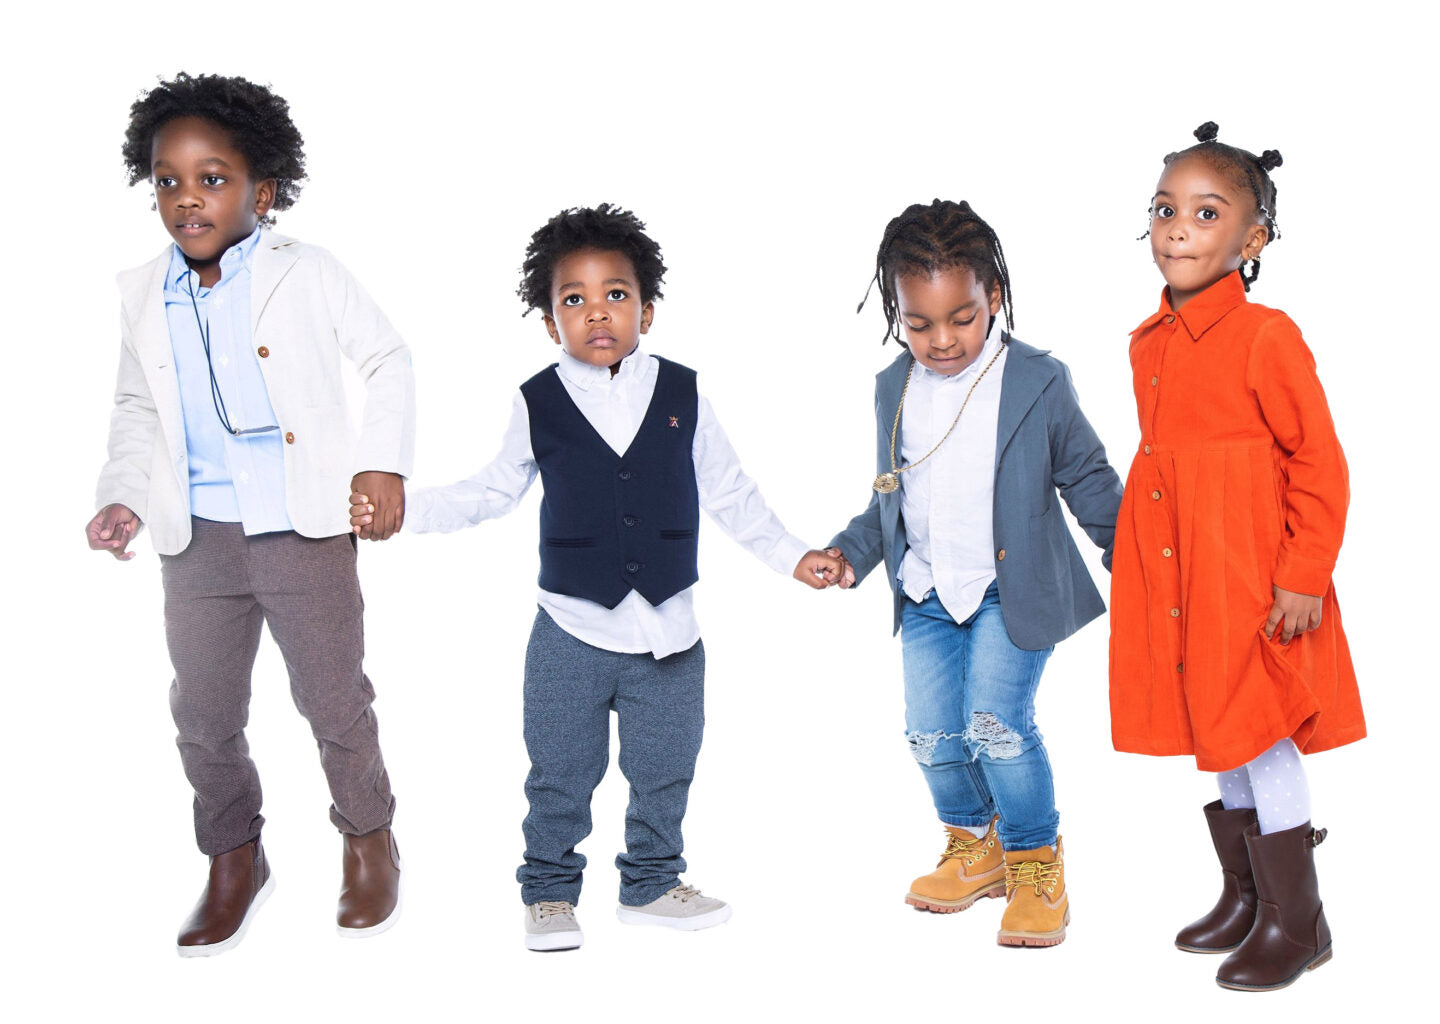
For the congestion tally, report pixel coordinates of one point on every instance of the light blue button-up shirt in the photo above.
(233, 479)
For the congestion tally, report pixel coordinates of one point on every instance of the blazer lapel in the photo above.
(274, 257)
(1021, 386)
(891, 386)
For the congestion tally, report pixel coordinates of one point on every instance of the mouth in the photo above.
(601, 339)
(190, 229)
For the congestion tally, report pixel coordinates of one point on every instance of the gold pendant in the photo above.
(886, 483)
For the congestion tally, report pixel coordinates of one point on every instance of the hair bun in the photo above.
(1207, 131)
(1270, 159)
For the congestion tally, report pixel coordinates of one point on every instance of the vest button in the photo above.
(631, 520)
(625, 474)
(633, 567)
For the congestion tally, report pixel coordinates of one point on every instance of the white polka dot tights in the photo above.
(1274, 784)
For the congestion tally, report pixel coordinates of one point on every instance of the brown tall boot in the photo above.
(1229, 921)
(239, 882)
(370, 887)
(970, 869)
(1290, 935)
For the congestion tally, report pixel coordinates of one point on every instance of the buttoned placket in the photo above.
(1169, 608)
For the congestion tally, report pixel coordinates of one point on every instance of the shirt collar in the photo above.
(1202, 312)
(585, 376)
(987, 352)
(241, 254)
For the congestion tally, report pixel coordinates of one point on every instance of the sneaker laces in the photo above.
(683, 892)
(1031, 872)
(545, 908)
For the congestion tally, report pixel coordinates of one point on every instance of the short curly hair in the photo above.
(257, 119)
(605, 227)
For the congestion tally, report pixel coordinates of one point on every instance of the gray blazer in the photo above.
(1043, 443)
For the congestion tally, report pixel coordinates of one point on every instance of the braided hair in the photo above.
(606, 227)
(257, 120)
(940, 236)
(1246, 171)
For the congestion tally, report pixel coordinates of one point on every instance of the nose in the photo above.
(945, 339)
(597, 315)
(1175, 230)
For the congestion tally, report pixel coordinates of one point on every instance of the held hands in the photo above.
(113, 527)
(1300, 613)
(377, 505)
(821, 569)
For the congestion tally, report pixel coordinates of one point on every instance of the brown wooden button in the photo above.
(289, 437)
(1180, 667)
(1170, 319)
(1166, 552)
(1147, 449)
(1174, 613)
(264, 352)
(1154, 381)
(1000, 555)
(1155, 495)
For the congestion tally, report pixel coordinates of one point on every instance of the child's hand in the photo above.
(847, 579)
(113, 527)
(819, 569)
(1300, 612)
(377, 505)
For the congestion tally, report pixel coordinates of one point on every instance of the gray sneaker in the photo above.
(682, 907)
(550, 925)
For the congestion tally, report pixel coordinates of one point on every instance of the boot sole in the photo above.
(216, 948)
(1009, 938)
(955, 906)
(1319, 958)
(1207, 949)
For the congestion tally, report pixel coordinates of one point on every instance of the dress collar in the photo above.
(242, 253)
(584, 376)
(993, 341)
(1202, 312)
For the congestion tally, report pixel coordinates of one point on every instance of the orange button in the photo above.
(289, 437)
(1166, 552)
(263, 351)
(1000, 555)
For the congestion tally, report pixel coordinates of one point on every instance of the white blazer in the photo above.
(306, 311)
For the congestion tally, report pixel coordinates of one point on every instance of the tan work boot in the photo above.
(1039, 907)
(970, 869)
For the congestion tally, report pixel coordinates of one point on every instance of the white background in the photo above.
(766, 145)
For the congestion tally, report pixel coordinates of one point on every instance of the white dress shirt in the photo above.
(948, 502)
(615, 407)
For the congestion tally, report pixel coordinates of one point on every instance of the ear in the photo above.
(1255, 240)
(550, 327)
(264, 196)
(995, 297)
(647, 314)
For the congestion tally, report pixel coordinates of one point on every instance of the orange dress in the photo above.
(1239, 483)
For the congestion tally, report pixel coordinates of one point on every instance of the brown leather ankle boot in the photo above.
(370, 888)
(239, 882)
(1229, 921)
(1290, 935)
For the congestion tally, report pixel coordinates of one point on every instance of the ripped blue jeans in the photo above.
(970, 720)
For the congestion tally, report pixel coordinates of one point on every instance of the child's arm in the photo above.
(860, 545)
(1281, 373)
(1088, 483)
(734, 502)
(385, 453)
(490, 493)
(125, 479)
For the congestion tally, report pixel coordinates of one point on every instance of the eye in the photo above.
(212, 181)
(572, 300)
(1162, 210)
(1207, 213)
(617, 295)
(966, 323)
(165, 182)
(917, 328)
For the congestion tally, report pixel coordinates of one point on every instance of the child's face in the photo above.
(1201, 227)
(204, 191)
(595, 310)
(946, 316)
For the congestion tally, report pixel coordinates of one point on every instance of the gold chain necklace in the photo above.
(885, 483)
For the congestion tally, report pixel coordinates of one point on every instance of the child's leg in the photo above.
(1280, 792)
(936, 664)
(569, 688)
(212, 625)
(310, 594)
(998, 706)
(661, 705)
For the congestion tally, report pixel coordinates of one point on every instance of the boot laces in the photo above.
(545, 908)
(1031, 872)
(959, 846)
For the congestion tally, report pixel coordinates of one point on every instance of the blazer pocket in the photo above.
(569, 542)
(677, 534)
(1046, 548)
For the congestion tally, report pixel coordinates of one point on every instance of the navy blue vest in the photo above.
(612, 523)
